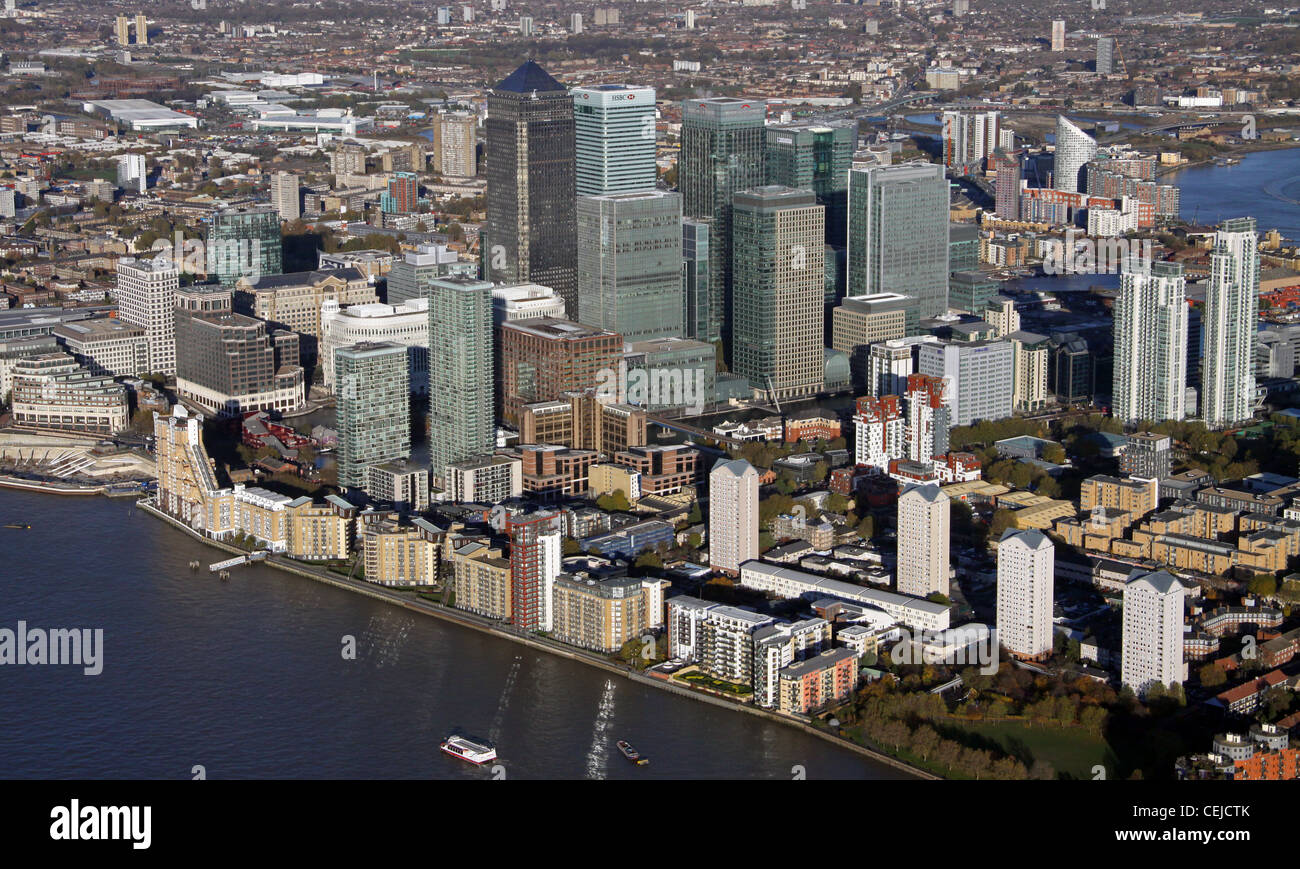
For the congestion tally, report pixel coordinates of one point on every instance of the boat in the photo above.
(22, 525)
(631, 753)
(474, 752)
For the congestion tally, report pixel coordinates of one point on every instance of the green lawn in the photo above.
(1072, 751)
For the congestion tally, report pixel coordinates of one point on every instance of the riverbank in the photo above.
(487, 626)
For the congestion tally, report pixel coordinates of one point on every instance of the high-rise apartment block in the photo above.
(460, 372)
(285, 196)
(1152, 637)
(968, 139)
(1073, 149)
(374, 421)
(1026, 573)
(923, 520)
(1230, 318)
(1150, 337)
(1058, 34)
(455, 145)
(733, 515)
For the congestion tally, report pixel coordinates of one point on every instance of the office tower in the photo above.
(1030, 355)
(860, 321)
(1150, 338)
(141, 30)
(1105, 55)
(575, 22)
(455, 145)
(779, 289)
(1058, 35)
(968, 139)
(122, 29)
(1074, 148)
(923, 541)
(1152, 637)
(615, 138)
(880, 432)
(410, 277)
(1007, 184)
(531, 224)
(722, 146)
(534, 565)
(132, 173)
(696, 315)
(284, 195)
(733, 515)
(630, 263)
(970, 291)
(977, 377)
(898, 234)
(402, 195)
(1071, 374)
(1230, 317)
(244, 242)
(927, 418)
(146, 297)
(525, 26)
(1147, 456)
(543, 358)
(1026, 571)
(963, 247)
(374, 408)
(460, 372)
(817, 158)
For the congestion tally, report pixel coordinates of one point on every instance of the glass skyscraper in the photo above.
(722, 151)
(460, 372)
(695, 278)
(1230, 322)
(816, 158)
(244, 242)
(630, 264)
(374, 408)
(615, 135)
(530, 231)
(1149, 379)
(1074, 148)
(898, 233)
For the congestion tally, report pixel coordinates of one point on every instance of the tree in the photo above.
(867, 527)
(1001, 521)
(1212, 676)
(614, 502)
(1263, 585)
(649, 560)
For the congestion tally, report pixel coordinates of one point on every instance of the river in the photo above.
(246, 678)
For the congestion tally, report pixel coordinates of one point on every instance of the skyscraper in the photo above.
(146, 297)
(531, 223)
(968, 139)
(455, 144)
(696, 276)
(1074, 148)
(816, 157)
(898, 233)
(733, 515)
(460, 372)
(1026, 571)
(402, 195)
(927, 418)
(1150, 337)
(721, 152)
(923, 518)
(244, 242)
(1152, 637)
(534, 564)
(374, 408)
(284, 195)
(1006, 184)
(615, 138)
(779, 276)
(1058, 34)
(1229, 321)
(1105, 55)
(630, 263)
(132, 173)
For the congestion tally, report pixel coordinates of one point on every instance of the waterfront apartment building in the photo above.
(244, 242)
(923, 521)
(816, 157)
(727, 643)
(373, 408)
(1025, 593)
(806, 686)
(51, 391)
(531, 230)
(535, 552)
(615, 139)
(1073, 149)
(285, 195)
(1229, 322)
(319, 531)
(296, 301)
(481, 578)
(397, 554)
(898, 233)
(733, 515)
(406, 324)
(146, 297)
(777, 646)
(860, 321)
(1152, 637)
(455, 144)
(106, 345)
(978, 377)
(601, 614)
(722, 151)
(630, 263)
(543, 358)
(1150, 338)
(779, 291)
(460, 372)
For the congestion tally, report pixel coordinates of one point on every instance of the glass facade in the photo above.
(374, 410)
(460, 372)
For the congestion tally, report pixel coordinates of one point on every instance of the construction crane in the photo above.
(1119, 49)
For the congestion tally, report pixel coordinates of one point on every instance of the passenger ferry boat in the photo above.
(474, 752)
(631, 753)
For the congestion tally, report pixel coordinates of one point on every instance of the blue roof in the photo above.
(529, 77)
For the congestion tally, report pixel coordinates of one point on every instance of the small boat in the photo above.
(631, 753)
(22, 525)
(474, 752)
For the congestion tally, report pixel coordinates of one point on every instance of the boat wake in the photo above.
(599, 751)
(503, 704)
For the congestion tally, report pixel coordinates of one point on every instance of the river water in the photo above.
(246, 678)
